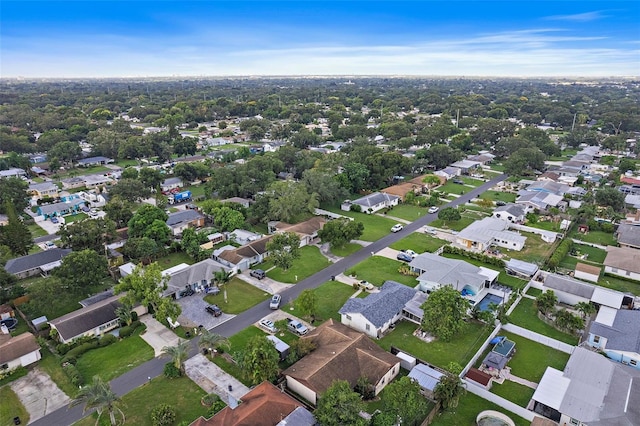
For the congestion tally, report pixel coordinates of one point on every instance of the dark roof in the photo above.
(96, 298)
(495, 360)
(569, 285)
(90, 160)
(32, 261)
(253, 249)
(379, 308)
(628, 234)
(17, 346)
(85, 319)
(478, 376)
(183, 216)
(623, 334)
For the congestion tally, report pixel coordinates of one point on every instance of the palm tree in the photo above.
(585, 309)
(211, 340)
(221, 278)
(98, 395)
(178, 353)
(448, 391)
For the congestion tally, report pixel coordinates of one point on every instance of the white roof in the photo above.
(552, 388)
(426, 376)
(606, 316)
(174, 269)
(607, 297)
(406, 357)
(127, 269)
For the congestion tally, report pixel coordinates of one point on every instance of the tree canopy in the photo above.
(444, 313)
(339, 405)
(283, 249)
(338, 232)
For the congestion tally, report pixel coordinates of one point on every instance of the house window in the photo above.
(348, 317)
(574, 422)
(367, 327)
(633, 362)
(596, 339)
(614, 270)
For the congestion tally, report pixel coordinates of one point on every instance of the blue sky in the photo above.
(167, 38)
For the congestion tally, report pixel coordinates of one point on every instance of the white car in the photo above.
(396, 228)
(268, 325)
(411, 253)
(433, 209)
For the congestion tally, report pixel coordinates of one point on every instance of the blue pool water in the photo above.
(483, 305)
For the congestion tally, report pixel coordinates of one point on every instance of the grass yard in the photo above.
(173, 259)
(331, 296)
(620, 284)
(532, 359)
(456, 225)
(240, 297)
(535, 292)
(11, 407)
(547, 225)
(180, 393)
(75, 218)
(375, 227)
(596, 237)
(569, 262)
(469, 407)
(37, 231)
(310, 262)
(514, 392)
(196, 190)
(114, 360)
(507, 197)
(408, 212)
(419, 243)
(346, 250)
(525, 315)
(50, 364)
(594, 254)
(535, 250)
(454, 188)
(378, 269)
(460, 349)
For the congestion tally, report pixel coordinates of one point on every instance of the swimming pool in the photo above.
(483, 305)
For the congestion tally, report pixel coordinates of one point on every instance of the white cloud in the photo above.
(579, 17)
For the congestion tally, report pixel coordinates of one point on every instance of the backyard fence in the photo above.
(536, 337)
(500, 401)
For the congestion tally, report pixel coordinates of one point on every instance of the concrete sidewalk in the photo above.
(157, 335)
(212, 379)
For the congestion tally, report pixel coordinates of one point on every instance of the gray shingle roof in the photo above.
(514, 209)
(195, 273)
(623, 334)
(445, 271)
(374, 199)
(569, 285)
(85, 319)
(182, 217)
(628, 234)
(380, 307)
(29, 262)
(172, 181)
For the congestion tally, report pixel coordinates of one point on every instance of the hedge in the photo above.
(473, 255)
(563, 249)
(74, 374)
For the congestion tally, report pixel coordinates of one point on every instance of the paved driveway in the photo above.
(194, 313)
(157, 335)
(212, 379)
(39, 394)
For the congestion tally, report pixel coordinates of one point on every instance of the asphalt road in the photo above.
(153, 368)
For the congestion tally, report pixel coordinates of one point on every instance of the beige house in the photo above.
(18, 351)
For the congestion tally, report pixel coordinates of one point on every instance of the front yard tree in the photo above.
(98, 395)
(448, 391)
(15, 234)
(211, 341)
(444, 313)
(403, 398)
(88, 234)
(449, 214)
(340, 405)
(131, 190)
(259, 360)
(283, 249)
(338, 232)
(290, 200)
(144, 218)
(307, 303)
(546, 302)
(145, 286)
(178, 353)
(431, 181)
(81, 270)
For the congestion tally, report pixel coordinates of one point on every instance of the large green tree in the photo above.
(88, 234)
(144, 218)
(15, 234)
(339, 405)
(525, 162)
(259, 360)
(449, 214)
(338, 232)
(610, 197)
(283, 249)
(403, 398)
(546, 302)
(290, 200)
(14, 191)
(81, 270)
(444, 313)
(132, 190)
(141, 249)
(118, 210)
(307, 303)
(448, 391)
(324, 184)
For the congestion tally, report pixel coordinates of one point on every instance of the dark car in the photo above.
(214, 310)
(458, 181)
(404, 257)
(258, 273)
(500, 203)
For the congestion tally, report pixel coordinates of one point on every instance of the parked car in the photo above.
(275, 301)
(214, 310)
(93, 212)
(49, 245)
(396, 228)
(213, 290)
(404, 257)
(297, 327)
(431, 231)
(458, 181)
(268, 325)
(54, 220)
(433, 209)
(258, 273)
(366, 285)
(411, 253)
(500, 203)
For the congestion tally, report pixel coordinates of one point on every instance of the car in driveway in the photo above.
(275, 301)
(214, 310)
(433, 209)
(258, 273)
(54, 220)
(458, 181)
(411, 253)
(500, 203)
(404, 257)
(268, 325)
(366, 285)
(396, 228)
(297, 327)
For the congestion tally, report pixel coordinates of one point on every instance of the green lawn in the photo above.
(408, 212)
(569, 262)
(375, 227)
(50, 364)
(525, 316)
(196, 190)
(507, 197)
(37, 231)
(547, 225)
(240, 297)
(11, 407)
(456, 225)
(472, 181)
(114, 360)
(535, 292)
(535, 250)
(596, 237)
(620, 284)
(126, 163)
(377, 270)
(460, 349)
(75, 217)
(180, 393)
(532, 359)
(594, 254)
(173, 259)
(454, 188)
(514, 392)
(469, 407)
(310, 262)
(419, 243)
(331, 296)
(346, 250)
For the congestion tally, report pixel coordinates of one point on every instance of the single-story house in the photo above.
(402, 189)
(437, 271)
(341, 354)
(538, 199)
(374, 314)
(171, 183)
(281, 347)
(482, 158)
(587, 272)
(623, 261)
(37, 263)
(427, 377)
(511, 212)
(196, 277)
(12, 172)
(482, 234)
(264, 405)
(242, 236)
(72, 183)
(38, 158)
(94, 181)
(591, 390)
(94, 320)
(372, 203)
(244, 202)
(307, 230)
(43, 190)
(183, 219)
(273, 146)
(241, 258)
(616, 332)
(466, 166)
(628, 235)
(60, 209)
(94, 161)
(18, 351)
(448, 172)
(38, 170)
(570, 291)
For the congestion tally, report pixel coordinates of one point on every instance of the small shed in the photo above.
(427, 377)
(406, 361)
(40, 322)
(281, 347)
(520, 268)
(587, 272)
(479, 378)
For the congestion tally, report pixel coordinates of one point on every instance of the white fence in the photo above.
(498, 400)
(536, 337)
(480, 351)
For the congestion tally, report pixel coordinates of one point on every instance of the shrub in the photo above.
(217, 406)
(107, 339)
(79, 350)
(7, 376)
(209, 399)
(63, 348)
(163, 415)
(74, 375)
(170, 371)
(134, 316)
(355, 208)
(563, 248)
(126, 331)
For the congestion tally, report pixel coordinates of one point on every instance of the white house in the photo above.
(514, 213)
(93, 320)
(623, 261)
(374, 314)
(372, 203)
(18, 351)
(482, 234)
(616, 332)
(570, 291)
(448, 172)
(171, 183)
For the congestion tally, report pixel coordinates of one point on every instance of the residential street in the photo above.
(140, 375)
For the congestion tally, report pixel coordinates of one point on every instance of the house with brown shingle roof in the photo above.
(264, 405)
(341, 354)
(307, 230)
(18, 351)
(242, 258)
